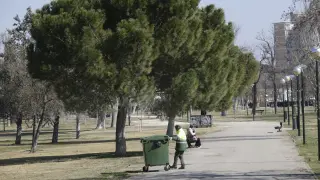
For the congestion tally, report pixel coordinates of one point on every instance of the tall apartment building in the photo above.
(281, 32)
(281, 46)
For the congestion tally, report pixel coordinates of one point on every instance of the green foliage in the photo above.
(243, 74)
(67, 37)
(94, 51)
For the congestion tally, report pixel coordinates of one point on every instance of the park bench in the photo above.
(279, 127)
(259, 111)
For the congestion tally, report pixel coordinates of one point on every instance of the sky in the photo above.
(251, 16)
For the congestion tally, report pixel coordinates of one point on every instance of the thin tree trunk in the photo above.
(203, 112)
(275, 93)
(170, 125)
(254, 105)
(77, 126)
(121, 147)
(4, 124)
(19, 129)
(114, 114)
(113, 119)
(8, 121)
(129, 111)
(55, 133)
(101, 120)
(134, 108)
(129, 118)
(36, 136)
(34, 123)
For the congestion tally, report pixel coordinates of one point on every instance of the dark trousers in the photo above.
(198, 142)
(178, 154)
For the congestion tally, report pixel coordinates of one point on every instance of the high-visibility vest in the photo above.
(181, 134)
(181, 141)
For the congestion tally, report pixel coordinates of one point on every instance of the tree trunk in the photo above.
(34, 123)
(4, 124)
(101, 120)
(170, 126)
(121, 147)
(134, 108)
(55, 133)
(254, 105)
(114, 114)
(36, 136)
(19, 129)
(8, 121)
(129, 118)
(203, 112)
(78, 126)
(275, 94)
(113, 119)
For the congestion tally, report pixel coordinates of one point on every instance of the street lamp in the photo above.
(298, 71)
(283, 81)
(290, 78)
(316, 53)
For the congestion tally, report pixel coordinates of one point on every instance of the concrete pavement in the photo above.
(244, 150)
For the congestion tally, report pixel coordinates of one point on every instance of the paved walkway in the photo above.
(244, 150)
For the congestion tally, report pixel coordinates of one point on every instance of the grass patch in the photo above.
(309, 150)
(90, 157)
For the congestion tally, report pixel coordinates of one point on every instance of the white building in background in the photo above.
(281, 47)
(281, 32)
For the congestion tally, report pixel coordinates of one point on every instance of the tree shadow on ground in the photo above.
(43, 159)
(108, 176)
(43, 132)
(259, 175)
(239, 138)
(89, 141)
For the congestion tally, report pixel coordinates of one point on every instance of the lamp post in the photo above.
(265, 96)
(316, 53)
(289, 79)
(298, 71)
(283, 81)
(292, 103)
(298, 106)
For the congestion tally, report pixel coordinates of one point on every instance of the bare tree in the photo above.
(267, 48)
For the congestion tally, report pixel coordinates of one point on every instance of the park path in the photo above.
(243, 150)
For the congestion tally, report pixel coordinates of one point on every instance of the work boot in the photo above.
(182, 167)
(173, 167)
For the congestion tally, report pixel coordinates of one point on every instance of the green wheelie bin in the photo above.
(156, 151)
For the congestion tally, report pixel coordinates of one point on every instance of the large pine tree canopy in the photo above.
(101, 49)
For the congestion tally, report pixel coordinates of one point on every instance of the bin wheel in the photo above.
(167, 167)
(145, 168)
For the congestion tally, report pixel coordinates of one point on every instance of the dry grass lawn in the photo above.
(90, 157)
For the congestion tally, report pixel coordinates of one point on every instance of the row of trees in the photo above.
(300, 39)
(96, 55)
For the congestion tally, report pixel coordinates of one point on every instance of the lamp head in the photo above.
(297, 70)
(315, 52)
(288, 78)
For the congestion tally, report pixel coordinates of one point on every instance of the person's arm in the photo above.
(175, 138)
(191, 132)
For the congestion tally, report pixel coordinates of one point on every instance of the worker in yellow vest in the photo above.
(181, 146)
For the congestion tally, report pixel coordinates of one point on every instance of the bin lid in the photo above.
(155, 138)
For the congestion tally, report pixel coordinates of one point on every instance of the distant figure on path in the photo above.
(192, 137)
(181, 146)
